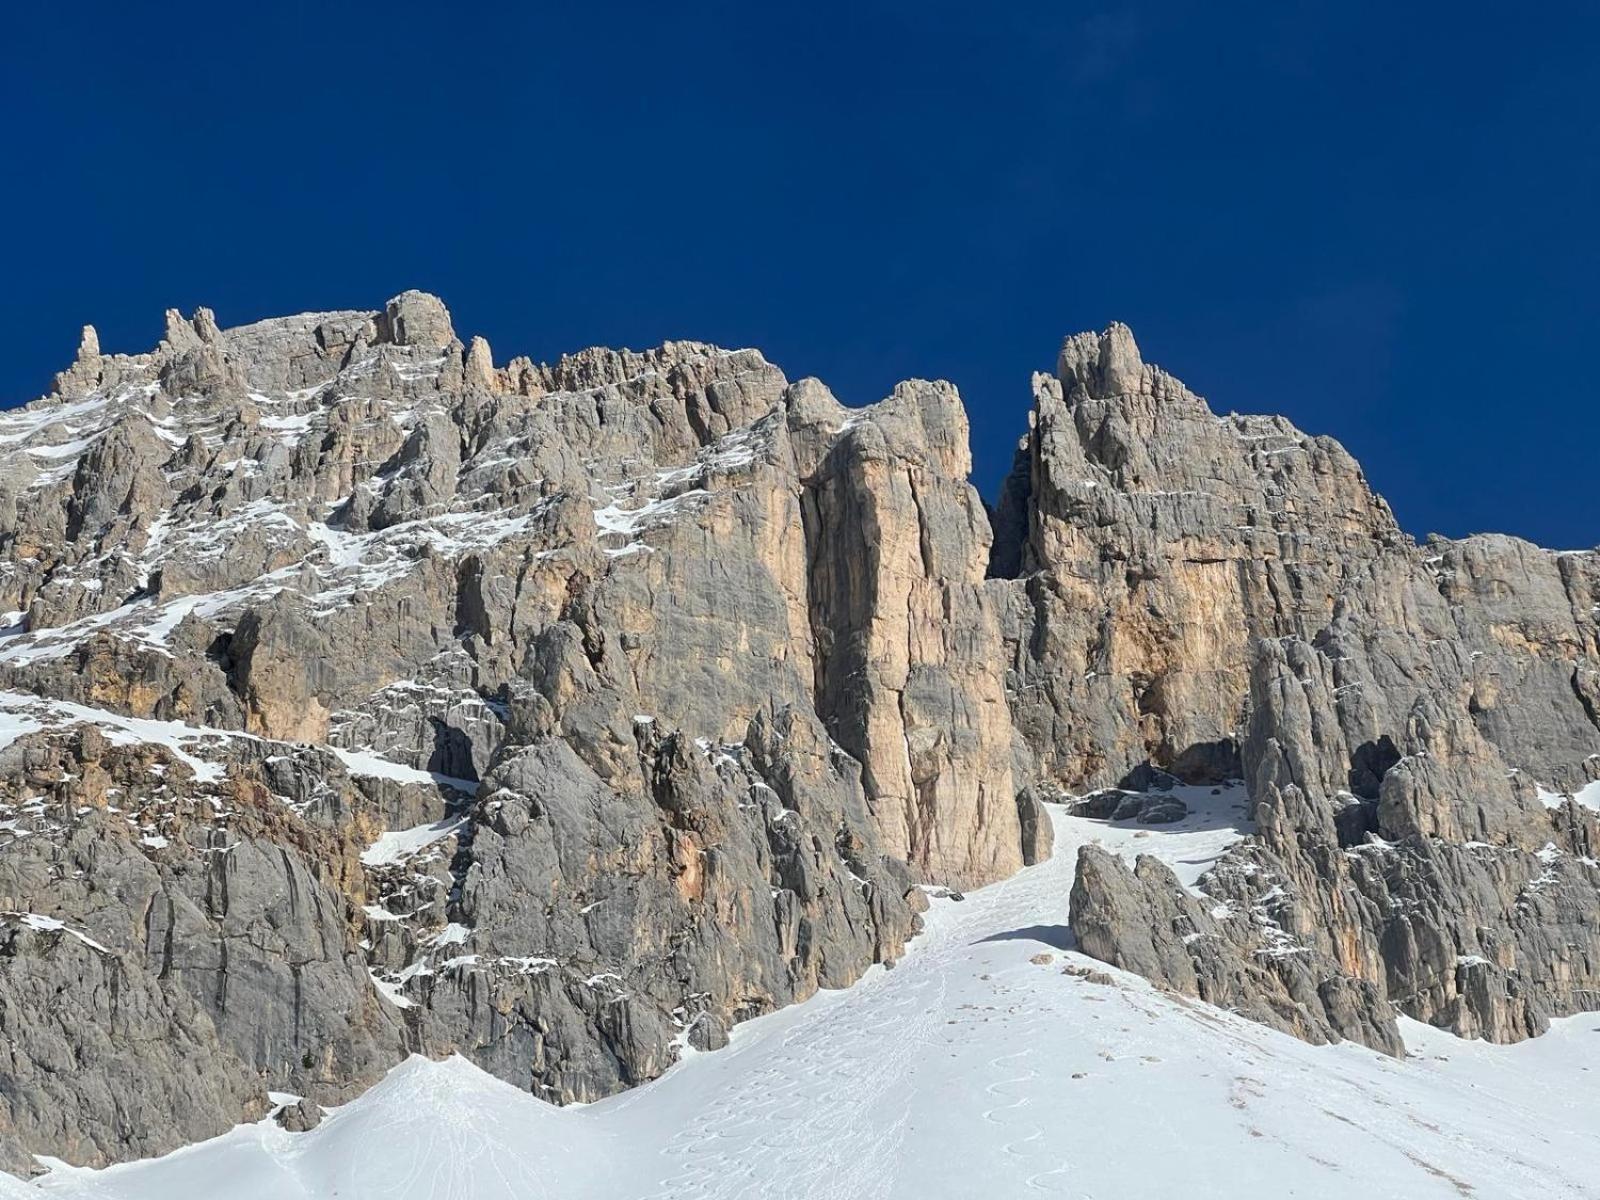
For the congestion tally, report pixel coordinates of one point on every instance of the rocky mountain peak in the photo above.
(415, 318)
(1102, 365)
(188, 334)
(564, 715)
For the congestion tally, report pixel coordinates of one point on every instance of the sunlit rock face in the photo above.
(1225, 596)
(564, 715)
(361, 696)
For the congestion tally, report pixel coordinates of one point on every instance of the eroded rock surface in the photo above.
(361, 696)
(669, 682)
(1225, 595)
(1142, 919)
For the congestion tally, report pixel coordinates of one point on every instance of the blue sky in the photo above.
(1378, 219)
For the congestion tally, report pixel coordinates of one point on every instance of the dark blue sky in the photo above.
(1378, 219)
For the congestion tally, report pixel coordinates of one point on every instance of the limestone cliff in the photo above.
(361, 695)
(559, 715)
(1225, 596)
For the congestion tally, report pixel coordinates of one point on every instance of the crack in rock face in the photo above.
(361, 697)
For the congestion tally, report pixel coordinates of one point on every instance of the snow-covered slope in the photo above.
(980, 1066)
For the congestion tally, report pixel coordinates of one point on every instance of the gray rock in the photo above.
(300, 1116)
(615, 605)
(1205, 593)
(1114, 804)
(682, 681)
(1141, 919)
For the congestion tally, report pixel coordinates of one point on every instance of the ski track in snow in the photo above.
(965, 1071)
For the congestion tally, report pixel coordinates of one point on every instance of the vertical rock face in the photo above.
(359, 696)
(583, 710)
(1219, 595)
(910, 676)
(151, 980)
(1153, 542)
